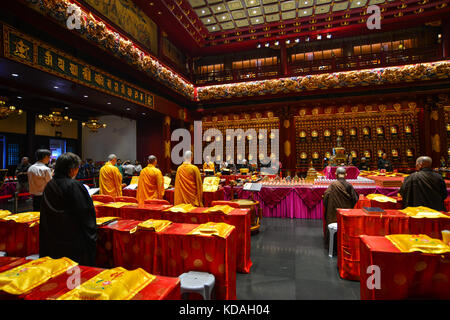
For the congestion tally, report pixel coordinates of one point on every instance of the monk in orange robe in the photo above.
(188, 183)
(151, 182)
(209, 165)
(110, 178)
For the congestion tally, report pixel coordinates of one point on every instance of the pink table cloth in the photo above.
(300, 202)
(330, 172)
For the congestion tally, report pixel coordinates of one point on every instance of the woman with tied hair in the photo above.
(67, 223)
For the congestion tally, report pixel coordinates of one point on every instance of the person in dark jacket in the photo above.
(424, 187)
(384, 163)
(67, 222)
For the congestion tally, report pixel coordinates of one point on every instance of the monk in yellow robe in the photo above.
(209, 165)
(110, 178)
(188, 183)
(151, 182)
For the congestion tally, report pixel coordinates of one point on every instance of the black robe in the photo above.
(67, 222)
(424, 188)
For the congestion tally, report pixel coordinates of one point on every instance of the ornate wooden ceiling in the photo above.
(219, 25)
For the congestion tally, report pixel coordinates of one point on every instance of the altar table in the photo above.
(352, 223)
(403, 275)
(19, 239)
(302, 202)
(330, 172)
(171, 252)
(161, 288)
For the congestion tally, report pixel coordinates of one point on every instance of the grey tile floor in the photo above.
(290, 262)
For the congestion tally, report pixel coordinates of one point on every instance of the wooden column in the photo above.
(30, 139)
(283, 58)
(167, 144)
(287, 141)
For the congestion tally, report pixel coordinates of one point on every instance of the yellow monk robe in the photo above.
(209, 166)
(110, 180)
(188, 185)
(150, 184)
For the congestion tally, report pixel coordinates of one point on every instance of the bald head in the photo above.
(341, 172)
(423, 162)
(152, 159)
(187, 156)
(112, 158)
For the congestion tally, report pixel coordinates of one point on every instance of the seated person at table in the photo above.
(209, 165)
(188, 183)
(244, 165)
(363, 165)
(110, 178)
(223, 165)
(151, 182)
(339, 195)
(384, 163)
(424, 187)
(67, 226)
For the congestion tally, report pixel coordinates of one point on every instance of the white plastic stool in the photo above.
(199, 282)
(33, 257)
(332, 229)
(2, 254)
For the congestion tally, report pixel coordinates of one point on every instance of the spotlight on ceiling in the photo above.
(307, 39)
(297, 40)
(14, 74)
(288, 41)
(277, 43)
(56, 87)
(319, 37)
(328, 36)
(266, 45)
(258, 45)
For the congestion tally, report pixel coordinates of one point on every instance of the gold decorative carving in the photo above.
(287, 148)
(436, 143)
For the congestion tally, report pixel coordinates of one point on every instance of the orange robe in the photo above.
(150, 184)
(188, 185)
(209, 166)
(110, 180)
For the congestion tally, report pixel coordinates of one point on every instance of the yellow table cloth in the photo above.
(113, 284)
(152, 225)
(423, 212)
(28, 276)
(220, 208)
(380, 198)
(4, 213)
(420, 243)
(24, 217)
(184, 208)
(219, 229)
(120, 204)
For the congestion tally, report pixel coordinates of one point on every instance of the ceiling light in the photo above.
(214, 28)
(203, 11)
(85, 96)
(288, 41)
(254, 11)
(93, 124)
(223, 18)
(67, 108)
(304, 12)
(14, 74)
(307, 39)
(127, 109)
(258, 45)
(19, 97)
(329, 36)
(277, 43)
(319, 37)
(108, 103)
(151, 3)
(218, 8)
(209, 20)
(56, 118)
(297, 40)
(257, 20)
(56, 87)
(267, 44)
(358, 3)
(159, 12)
(143, 113)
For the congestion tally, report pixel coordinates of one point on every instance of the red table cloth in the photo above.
(300, 202)
(19, 239)
(240, 218)
(161, 288)
(172, 252)
(402, 275)
(330, 172)
(352, 223)
(364, 202)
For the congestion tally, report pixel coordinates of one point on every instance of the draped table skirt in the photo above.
(402, 275)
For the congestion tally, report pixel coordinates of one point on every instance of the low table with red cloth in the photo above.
(300, 202)
(172, 252)
(161, 288)
(129, 193)
(403, 275)
(142, 213)
(19, 239)
(240, 218)
(364, 202)
(352, 223)
(208, 196)
(330, 172)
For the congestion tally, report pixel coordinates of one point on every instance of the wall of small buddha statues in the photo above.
(309, 134)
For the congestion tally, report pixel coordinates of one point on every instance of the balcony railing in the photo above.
(304, 67)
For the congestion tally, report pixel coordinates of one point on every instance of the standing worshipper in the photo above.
(137, 167)
(424, 187)
(128, 171)
(151, 182)
(110, 178)
(188, 183)
(339, 195)
(38, 176)
(67, 226)
(22, 175)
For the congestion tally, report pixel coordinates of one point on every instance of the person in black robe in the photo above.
(339, 195)
(384, 163)
(424, 187)
(363, 165)
(67, 222)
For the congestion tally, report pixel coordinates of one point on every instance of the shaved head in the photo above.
(188, 156)
(424, 162)
(112, 157)
(152, 159)
(341, 172)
